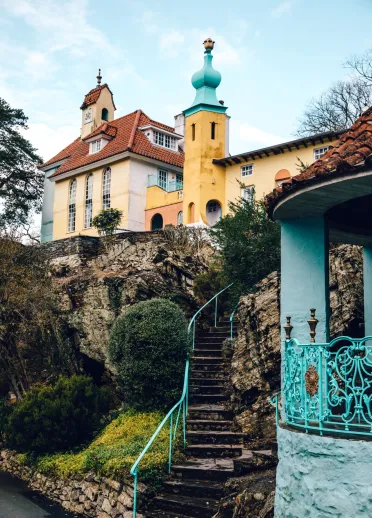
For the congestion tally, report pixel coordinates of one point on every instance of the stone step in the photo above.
(210, 411)
(209, 425)
(207, 398)
(203, 451)
(254, 461)
(206, 360)
(206, 389)
(204, 381)
(193, 507)
(214, 334)
(206, 344)
(214, 437)
(205, 469)
(208, 373)
(200, 488)
(206, 353)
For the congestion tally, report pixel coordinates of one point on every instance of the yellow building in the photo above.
(158, 175)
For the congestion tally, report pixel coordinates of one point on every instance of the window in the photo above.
(213, 130)
(247, 170)
(248, 193)
(212, 206)
(161, 139)
(214, 211)
(72, 206)
(95, 146)
(105, 114)
(106, 189)
(320, 151)
(162, 178)
(193, 131)
(180, 218)
(88, 216)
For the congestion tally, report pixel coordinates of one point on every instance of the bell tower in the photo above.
(98, 107)
(206, 138)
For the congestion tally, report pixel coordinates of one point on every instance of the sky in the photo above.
(274, 56)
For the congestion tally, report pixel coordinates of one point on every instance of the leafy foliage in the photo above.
(115, 450)
(148, 346)
(31, 345)
(21, 183)
(5, 411)
(107, 222)
(55, 418)
(249, 244)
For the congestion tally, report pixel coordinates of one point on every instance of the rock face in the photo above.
(95, 285)
(90, 496)
(255, 362)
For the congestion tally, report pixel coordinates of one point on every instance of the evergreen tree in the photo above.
(21, 183)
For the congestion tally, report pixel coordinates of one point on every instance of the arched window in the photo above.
(88, 216)
(213, 130)
(191, 211)
(105, 114)
(282, 176)
(106, 189)
(214, 211)
(157, 222)
(72, 206)
(180, 218)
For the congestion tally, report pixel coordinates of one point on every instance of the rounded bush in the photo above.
(149, 347)
(55, 418)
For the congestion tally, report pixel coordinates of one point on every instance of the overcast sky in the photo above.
(273, 55)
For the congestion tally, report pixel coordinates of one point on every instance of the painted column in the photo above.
(367, 276)
(305, 276)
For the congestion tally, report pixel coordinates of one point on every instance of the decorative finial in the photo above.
(288, 328)
(312, 324)
(99, 77)
(208, 44)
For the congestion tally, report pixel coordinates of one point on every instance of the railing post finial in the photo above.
(312, 324)
(288, 328)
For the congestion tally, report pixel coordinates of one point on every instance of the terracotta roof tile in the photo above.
(94, 94)
(105, 128)
(353, 150)
(127, 138)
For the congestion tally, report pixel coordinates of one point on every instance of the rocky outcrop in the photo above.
(88, 495)
(94, 284)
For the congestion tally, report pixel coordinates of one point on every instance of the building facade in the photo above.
(158, 175)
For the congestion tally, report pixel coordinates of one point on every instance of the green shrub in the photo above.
(5, 411)
(55, 418)
(148, 346)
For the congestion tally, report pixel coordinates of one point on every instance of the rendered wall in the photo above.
(168, 212)
(320, 477)
(47, 213)
(104, 101)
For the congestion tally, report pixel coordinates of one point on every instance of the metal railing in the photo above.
(174, 414)
(173, 185)
(231, 318)
(328, 387)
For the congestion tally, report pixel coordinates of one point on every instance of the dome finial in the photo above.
(99, 77)
(208, 44)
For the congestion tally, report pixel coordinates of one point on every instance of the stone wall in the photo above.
(90, 496)
(94, 284)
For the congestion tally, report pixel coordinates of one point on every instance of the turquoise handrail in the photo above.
(180, 406)
(232, 319)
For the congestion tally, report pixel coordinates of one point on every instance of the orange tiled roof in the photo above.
(105, 128)
(128, 138)
(353, 151)
(93, 95)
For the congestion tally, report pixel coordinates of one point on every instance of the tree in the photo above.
(31, 343)
(21, 183)
(149, 346)
(337, 108)
(362, 65)
(249, 244)
(107, 222)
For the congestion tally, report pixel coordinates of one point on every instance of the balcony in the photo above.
(172, 186)
(327, 388)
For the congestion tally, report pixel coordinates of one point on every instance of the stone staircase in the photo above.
(215, 452)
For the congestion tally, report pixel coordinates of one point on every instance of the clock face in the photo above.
(88, 116)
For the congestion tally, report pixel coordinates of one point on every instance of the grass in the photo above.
(113, 452)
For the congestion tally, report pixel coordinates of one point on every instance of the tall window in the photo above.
(162, 178)
(247, 170)
(320, 151)
(106, 189)
(72, 206)
(213, 130)
(248, 193)
(88, 216)
(180, 218)
(105, 114)
(193, 131)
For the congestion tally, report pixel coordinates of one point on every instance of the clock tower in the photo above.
(98, 107)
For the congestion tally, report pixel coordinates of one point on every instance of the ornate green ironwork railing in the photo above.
(173, 417)
(328, 387)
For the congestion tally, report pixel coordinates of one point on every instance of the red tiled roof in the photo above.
(105, 128)
(128, 138)
(93, 95)
(353, 151)
(65, 153)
